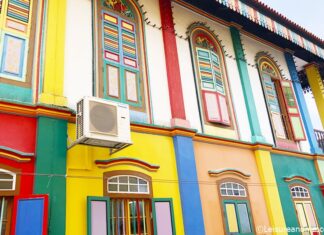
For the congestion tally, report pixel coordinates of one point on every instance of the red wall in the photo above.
(19, 133)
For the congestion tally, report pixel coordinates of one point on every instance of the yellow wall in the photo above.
(84, 178)
(317, 86)
(52, 92)
(270, 190)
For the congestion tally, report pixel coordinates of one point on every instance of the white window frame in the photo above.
(109, 182)
(13, 180)
(240, 188)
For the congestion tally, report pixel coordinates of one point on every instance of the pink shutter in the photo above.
(211, 106)
(224, 110)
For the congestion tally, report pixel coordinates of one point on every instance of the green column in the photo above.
(51, 169)
(246, 85)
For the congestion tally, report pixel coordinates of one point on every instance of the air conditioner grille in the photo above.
(80, 119)
(103, 118)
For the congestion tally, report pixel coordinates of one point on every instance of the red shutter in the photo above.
(293, 111)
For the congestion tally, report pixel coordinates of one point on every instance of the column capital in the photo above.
(311, 64)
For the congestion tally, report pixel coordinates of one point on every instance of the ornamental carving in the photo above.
(120, 6)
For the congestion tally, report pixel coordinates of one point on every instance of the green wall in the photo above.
(285, 166)
(51, 169)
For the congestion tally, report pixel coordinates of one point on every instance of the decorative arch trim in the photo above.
(206, 29)
(228, 171)
(266, 56)
(297, 177)
(15, 155)
(126, 160)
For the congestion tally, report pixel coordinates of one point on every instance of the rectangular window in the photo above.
(5, 214)
(237, 217)
(306, 217)
(163, 217)
(118, 216)
(121, 75)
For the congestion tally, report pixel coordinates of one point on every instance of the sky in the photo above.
(309, 15)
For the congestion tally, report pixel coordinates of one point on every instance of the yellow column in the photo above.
(270, 190)
(316, 84)
(52, 92)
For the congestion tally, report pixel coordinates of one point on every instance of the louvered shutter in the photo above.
(293, 111)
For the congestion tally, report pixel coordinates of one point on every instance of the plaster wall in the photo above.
(252, 47)
(217, 157)
(282, 166)
(79, 57)
(85, 178)
(183, 18)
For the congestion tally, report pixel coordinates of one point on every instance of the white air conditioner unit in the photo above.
(102, 123)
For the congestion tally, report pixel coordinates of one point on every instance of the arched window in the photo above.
(211, 79)
(299, 192)
(130, 202)
(119, 49)
(7, 180)
(232, 189)
(304, 208)
(128, 207)
(281, 102)
(236, 206)
(127, 184)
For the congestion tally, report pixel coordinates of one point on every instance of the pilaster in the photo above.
(172, 66)
(270, 190)
(50, 169)
(246, 85)
(188, 185)
(302, 104)
(316, 83)
(53, 83)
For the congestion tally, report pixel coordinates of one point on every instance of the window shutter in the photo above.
(111, 37)
(224, 110)
(163, 216)
(212, 85)
(98, 211)
(212, 109)
(30, 215)
(129, 43)
(205, 70)
(293, 111)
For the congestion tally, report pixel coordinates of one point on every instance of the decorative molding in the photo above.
(297, 177)
(126, 160)
(37, 110)
(15, 155)
(229, 171)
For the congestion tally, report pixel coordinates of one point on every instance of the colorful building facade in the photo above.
(222, 141)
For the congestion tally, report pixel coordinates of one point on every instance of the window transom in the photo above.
(299, 192)
(128, 184)
(232, 189)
